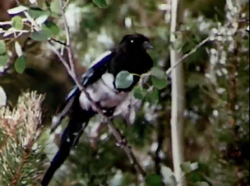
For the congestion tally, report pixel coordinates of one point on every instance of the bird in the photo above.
(130, 55)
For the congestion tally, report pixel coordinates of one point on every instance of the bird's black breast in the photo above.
(136, 63)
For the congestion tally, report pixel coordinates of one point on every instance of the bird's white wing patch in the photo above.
(3, 97)
(104, 93)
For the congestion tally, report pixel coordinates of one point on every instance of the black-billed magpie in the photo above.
(99, 81)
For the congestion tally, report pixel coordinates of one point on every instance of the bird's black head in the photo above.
(136, 42)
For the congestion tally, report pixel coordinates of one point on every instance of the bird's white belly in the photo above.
(103, 93)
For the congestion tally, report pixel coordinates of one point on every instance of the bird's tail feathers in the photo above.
(69, 139)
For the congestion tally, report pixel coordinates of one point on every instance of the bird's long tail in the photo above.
(69, 139)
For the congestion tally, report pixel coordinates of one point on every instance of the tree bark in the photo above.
(178, 96)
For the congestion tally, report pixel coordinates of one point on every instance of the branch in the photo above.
(70, 68)
(122, 143)
(12, 60)
(202, 43)
(37, 28)
(178, 95)
(169, 71)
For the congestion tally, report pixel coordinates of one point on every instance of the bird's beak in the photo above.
(148, 46)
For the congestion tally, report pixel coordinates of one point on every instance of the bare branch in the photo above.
(178, 95)
(122, 143)
(71, 70)
(10, 22)
(65, 63)
(187, 55)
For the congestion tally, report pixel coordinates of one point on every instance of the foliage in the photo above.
(22, 156)
(216, 86)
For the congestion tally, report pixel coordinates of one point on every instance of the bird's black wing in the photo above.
(93, 73)
(78, 117)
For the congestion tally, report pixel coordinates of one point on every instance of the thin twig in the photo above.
(10, 22)
(64, 62)
(68, 41)
(70, 68)
(58, 41)
(187, 55)
(66, 4)
(18, 172)
(122, 143)
(37, 27)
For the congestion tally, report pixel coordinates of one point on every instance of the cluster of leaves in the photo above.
(169, 179)
(206, 131)
(21, 156)
(37, 19)
(158, 78)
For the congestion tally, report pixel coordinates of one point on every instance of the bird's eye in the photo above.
(132, 41)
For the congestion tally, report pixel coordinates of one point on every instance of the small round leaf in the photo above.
(17, 22)
(186, 167)
(20, 64)
(3, 60)
(55, 30)
(152, 96)
(18, 49)
(35, 13)
(168, 177)
(153, 180)
(43, 17)
(17, 10)
(41, 35)
(124, 80)
(139, 93)
(194, 166)
(2, 47)
(157, 72)
(101, 3)
(55, 7)
(159, 83)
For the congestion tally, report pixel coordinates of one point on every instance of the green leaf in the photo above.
(3, 60)
(194, 166)
(35, 13)
(43, 17)
(201, 184)
(159, 83)
(41, 35)
(20, 64)
(153, 180)
(55, 7)
(157, 72)
(124, 80)
(152, 96)
(2, 47)
(17, 22)
(168, 176)
(53, 28)
(17, 10)
(186, 167)
(32, 1)
(101, 3)
(18, 49)
(139, 93)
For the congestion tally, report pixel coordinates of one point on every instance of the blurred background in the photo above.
(216, 81)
